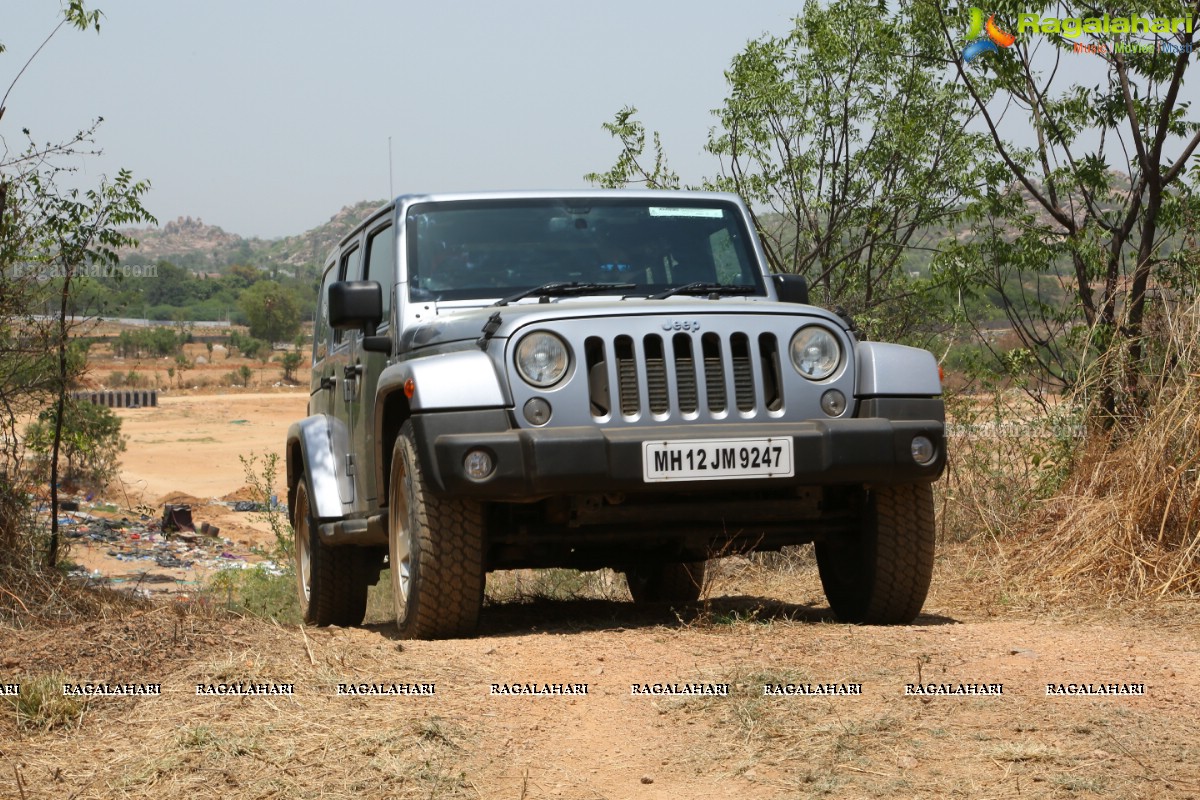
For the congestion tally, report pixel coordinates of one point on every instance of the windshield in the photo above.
(478, 250)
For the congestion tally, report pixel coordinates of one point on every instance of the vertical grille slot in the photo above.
(685, 374)
(656, 375)
(768, 351)
(597, 372)
(714, 373)
(743, 371)
(627, 384)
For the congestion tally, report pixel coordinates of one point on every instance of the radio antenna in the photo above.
(391, 191)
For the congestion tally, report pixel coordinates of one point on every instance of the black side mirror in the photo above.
(355, 305)
(791, 288)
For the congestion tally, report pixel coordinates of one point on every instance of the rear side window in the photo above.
(381, 264)
(321, 325)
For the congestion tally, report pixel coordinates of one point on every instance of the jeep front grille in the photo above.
(658, 375)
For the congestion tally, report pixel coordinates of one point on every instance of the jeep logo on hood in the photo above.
(681, 325)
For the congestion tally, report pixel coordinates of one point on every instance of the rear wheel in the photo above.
(435, 552)
(666, 581)
(332, 581)
(881, 576)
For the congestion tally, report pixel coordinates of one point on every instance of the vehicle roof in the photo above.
(526, 194)
(537, 194)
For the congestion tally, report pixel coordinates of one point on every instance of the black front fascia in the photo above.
(536, 463)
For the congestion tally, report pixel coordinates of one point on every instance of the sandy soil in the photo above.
(192, 444)
(756, 626)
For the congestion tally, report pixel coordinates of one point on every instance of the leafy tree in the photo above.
(172, 287)
(271, 311)
(182, 365)
(49, 232)
(1091, 188)
(848, 140)
(291, 361)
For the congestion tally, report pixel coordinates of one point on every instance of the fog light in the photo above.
(478, 465)
(833, 403)
(923, 450)
(537, 411)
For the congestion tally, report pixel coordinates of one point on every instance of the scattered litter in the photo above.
(149, 545)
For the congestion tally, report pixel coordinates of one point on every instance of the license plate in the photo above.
(717, 459)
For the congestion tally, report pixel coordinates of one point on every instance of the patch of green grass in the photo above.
(199, 737)
(258, 593)
(42, 706)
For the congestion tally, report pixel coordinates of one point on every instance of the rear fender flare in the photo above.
(310, 455)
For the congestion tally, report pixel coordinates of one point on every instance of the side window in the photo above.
(321, 326)
(349, 269)
(381, 264)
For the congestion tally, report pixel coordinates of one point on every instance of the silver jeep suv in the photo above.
(597, 379)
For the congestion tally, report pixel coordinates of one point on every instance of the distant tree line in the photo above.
(272, 306)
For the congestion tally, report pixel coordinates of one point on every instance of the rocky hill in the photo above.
(189, 242)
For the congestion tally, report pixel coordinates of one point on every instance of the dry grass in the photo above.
(32, 596)
(1127, 522)
(1059, 507)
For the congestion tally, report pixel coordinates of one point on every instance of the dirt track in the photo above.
(466, 742)
(758, 627)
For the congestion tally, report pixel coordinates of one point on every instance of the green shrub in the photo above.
(91, 442)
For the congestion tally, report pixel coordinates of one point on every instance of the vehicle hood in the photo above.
(470, 324)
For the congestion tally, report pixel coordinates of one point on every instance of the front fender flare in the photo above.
(460, 381)
(895, 370)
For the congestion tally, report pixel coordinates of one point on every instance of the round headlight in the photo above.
(542, 359)
(815, 352)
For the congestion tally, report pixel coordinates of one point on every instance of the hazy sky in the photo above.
(265, 117)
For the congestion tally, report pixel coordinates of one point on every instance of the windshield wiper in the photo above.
(700, 287)
(561, 289)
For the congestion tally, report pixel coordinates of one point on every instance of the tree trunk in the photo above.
(59, 404)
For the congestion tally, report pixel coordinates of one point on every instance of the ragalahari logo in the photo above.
(985, 36)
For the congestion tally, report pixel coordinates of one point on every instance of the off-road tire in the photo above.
(333, 583)
(881, 576)
(435, 547)
(666, 581)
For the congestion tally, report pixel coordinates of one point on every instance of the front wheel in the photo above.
(435, 551)
(881, 576)
(666, 581)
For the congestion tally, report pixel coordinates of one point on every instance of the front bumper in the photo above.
(534, 463)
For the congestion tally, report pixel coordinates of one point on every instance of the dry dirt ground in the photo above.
(757, 626)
